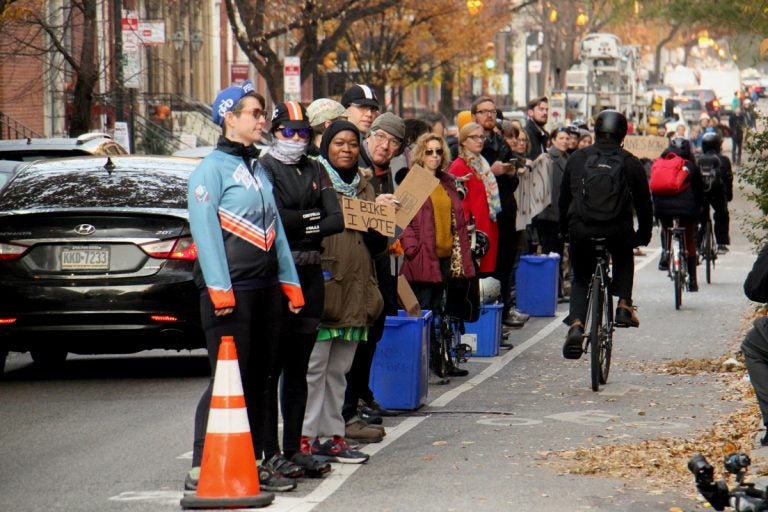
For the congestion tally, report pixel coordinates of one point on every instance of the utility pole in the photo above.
(117, 15)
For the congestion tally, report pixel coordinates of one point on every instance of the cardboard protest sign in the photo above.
(407, 298)
(534, 191)
(413, 192)
(361, 215)
(646, 146)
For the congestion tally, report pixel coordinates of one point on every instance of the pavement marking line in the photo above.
(341, 472)
(498, 363)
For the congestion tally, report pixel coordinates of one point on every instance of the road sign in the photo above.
(292, 78)
(151, 32)
(238, 73)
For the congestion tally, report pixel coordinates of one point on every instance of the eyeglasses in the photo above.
(288, 133)
(365, 108)
(430, 152)
(485, 112)
(256, 113)
(390, 141)
(477, 137)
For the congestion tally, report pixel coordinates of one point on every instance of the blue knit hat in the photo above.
(228, 98)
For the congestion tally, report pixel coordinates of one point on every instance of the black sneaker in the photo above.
(664, 261)
(722, 249)
(313, 467)
(573, 347)
(337, 450)
(455, 371)
(284, 467)
(381, 411)
(190, 481)
(369, 415)
(271, 480)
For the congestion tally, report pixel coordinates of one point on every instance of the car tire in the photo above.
(3, 357)
(48, 358)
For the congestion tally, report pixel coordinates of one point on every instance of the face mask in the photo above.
(288, 151)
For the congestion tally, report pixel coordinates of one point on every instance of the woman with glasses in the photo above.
(436, 242)
(481, 203)
(244, 262)
(310, 211)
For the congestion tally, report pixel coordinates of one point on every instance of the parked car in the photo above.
(707, 97)
(96, 257)
(57, 147)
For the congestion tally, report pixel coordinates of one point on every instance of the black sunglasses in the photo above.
(288, 133)
(430, 152)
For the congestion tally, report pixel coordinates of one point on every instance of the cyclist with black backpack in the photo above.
(717, 173)
(601, 186)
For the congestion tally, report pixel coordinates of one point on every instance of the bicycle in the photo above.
(707, 247)
(742, 497)
(677, 268)
(448, 352)
(598, 331)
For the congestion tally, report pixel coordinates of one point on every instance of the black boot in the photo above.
(693, 285)
(664, 261)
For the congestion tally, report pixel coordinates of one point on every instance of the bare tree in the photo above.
(266, 30)
(69, 32)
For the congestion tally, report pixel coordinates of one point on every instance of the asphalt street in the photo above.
(114, 433)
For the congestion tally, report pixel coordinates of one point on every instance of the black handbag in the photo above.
(462, 299)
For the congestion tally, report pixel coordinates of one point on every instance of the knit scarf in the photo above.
(341, 186)
(483, 171)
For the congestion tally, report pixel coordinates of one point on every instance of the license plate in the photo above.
(96, 258)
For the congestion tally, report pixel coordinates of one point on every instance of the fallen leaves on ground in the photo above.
(660, 465)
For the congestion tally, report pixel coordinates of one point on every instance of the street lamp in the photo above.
(196, 40)
(178, 40)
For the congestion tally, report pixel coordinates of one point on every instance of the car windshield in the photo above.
(702, 94)
(690, 104)
(135, 187)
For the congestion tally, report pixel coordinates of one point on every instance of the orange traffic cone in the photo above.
(228, 474)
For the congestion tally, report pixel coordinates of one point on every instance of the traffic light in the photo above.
(474, 6)
(490, 56)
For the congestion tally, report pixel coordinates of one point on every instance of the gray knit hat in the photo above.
(391, 124)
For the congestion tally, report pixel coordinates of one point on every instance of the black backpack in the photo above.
(602, 194)
(709, 165)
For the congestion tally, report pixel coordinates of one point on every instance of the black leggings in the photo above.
(297, 340)
(255, 326)
(583, 261)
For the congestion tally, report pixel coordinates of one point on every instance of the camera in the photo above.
(517, 160)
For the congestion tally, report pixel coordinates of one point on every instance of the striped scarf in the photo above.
(483, 171)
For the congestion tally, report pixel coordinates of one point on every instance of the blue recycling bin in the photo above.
(400, 370)
(537, 280)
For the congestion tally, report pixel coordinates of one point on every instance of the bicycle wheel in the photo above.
(595, 321)
(677, 273)
(440, 349)
(606, 335)
(708, 251)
